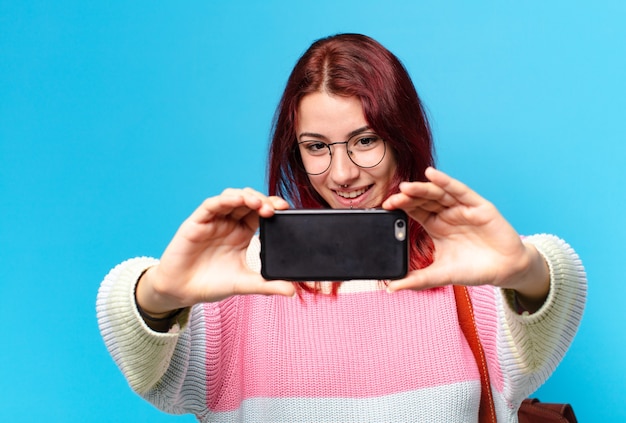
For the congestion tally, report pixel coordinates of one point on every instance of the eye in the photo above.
(314, 148)
(365, 141)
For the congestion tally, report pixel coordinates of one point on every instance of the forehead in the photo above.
(329, 115)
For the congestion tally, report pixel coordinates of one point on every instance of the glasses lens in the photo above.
(315, 156)
(366, 150)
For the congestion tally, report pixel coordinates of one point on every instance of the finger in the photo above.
(284, 288)
(270, 203)
(424, 195)
(242, 213)
(426, 278)
(453, 187)
(279, 203)
(257, 285)
(253, 200)
(225, 204)
(268, 206)
(419, 209)
(411, 201)
(423, 190)
(432, 206)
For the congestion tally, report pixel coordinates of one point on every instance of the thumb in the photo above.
(432, 276)
(258, 285)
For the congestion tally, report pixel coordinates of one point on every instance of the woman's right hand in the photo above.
(206, 259)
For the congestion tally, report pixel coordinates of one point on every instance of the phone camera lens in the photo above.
(400, 230)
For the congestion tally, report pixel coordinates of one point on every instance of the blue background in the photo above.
(118, 118)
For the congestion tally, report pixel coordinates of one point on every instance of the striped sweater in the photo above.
(363, 355)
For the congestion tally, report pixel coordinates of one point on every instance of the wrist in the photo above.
(533, 287)
(150, 303)
(157, 318)
(158, 321)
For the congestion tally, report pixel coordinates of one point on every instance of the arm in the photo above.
(206, 259)
(142, 354)
(204, 262)
(537, 342)
(540, 282)
(474, 244)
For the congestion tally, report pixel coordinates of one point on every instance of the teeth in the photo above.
(351, 194)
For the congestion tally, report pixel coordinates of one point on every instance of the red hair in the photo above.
(354, 65)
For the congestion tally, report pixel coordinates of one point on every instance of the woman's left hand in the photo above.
(474, 244)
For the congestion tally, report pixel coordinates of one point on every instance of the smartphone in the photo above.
(334, 244)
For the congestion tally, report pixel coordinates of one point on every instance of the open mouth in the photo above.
(352, 194)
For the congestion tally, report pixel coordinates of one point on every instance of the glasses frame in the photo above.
(330, 153)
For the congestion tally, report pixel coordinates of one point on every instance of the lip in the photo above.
(357, 201)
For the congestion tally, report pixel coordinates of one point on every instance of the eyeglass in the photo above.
(365, 150)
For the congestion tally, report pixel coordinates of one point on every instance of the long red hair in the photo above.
(354, 65)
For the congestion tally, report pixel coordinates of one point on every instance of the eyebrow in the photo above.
(350, 135)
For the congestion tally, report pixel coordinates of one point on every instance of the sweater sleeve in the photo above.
(532, 345)
(142, 354)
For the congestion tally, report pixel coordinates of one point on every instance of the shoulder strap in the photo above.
(487, 411)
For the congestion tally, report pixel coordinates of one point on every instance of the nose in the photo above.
(342, 169)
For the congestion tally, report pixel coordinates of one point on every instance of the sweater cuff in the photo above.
(142, 354)
(567, 278)
(540, 340)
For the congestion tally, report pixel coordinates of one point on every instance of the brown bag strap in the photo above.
(487, 411)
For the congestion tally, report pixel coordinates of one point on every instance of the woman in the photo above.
(189, 340)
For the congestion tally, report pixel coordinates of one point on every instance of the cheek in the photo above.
(317, 181)
(389, 168)
(388, 176)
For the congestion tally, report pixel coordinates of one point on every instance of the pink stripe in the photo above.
(341, 347)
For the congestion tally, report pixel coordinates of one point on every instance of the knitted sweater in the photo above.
(363, 355)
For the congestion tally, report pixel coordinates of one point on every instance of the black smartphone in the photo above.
(334, 244)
